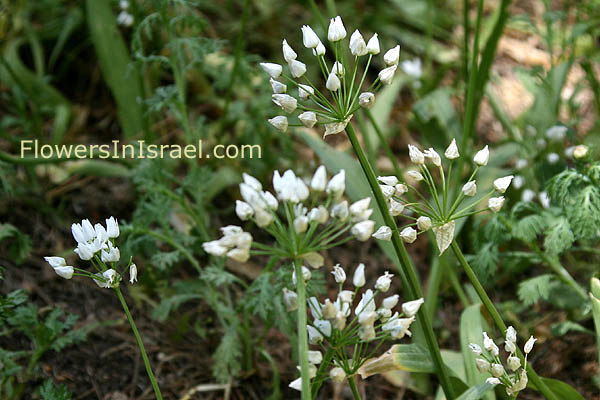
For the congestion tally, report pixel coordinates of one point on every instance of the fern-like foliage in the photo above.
(534, 289)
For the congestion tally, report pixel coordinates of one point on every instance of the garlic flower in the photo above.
(440, 213)
(95, 243)
(334, 326)
(346, 89)
(514, 376)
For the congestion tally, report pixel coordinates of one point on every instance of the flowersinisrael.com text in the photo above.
(138, 150)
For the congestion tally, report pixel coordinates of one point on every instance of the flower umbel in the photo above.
(345, 87)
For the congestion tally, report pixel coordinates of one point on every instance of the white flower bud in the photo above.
(214, 248)
(333, 82)
(401, 189)
(290, 299)
(296, 384)
(363, 230)
(112, 227)
(392, 56)
(408, 234)
(56, 262)
(388, 180)
(339, 274)
(475, 348)
(262, 217)
(337, 184)
(386, 75)
(470, 188)
(270, 200)
(366, 333)
(497, 370)
(308, 119)
(280, 122)
(315, 357)
(328, 310)
(390, 302)
(482, 156)
(306, 275)
(336, 29)
(345, 296)
(482, 365)
(288, 53)
(416, 156)
(451, 152)
(433, 156)
(396, 208)
(337, 375)
(309, 37)
(305, 91)
(493, 381)
(387, 191)
(383, 282)
(366, 99)
(383, 233)
(513, 363)
(359, 276)
(239, 255)
(314, 336)
(285, 101)
(529, 345)
(340, 210)
(301, 224)
(274, 70)
(384, 314)
(319, 50)
(415, 175)
(511, 335)
(373, 45)
(132, 273)
(489, 345)
(495, 203)
(411, 308)
(278, 87)
(64, 271)
(556, 133)
(358, 47)
(359, 207)
(423, 223)
(297, 68)
(501, 184)
(319, 179)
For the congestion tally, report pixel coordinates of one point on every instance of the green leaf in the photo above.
(117, 68)
(534, 289)
(485, 261)
(583, 212)
(413, 358)
(527, 228)
(476, 392)
(471, 331)
(559, 238)
(50, 392)
(561, 389)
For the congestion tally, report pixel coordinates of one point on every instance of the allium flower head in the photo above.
(333, 108)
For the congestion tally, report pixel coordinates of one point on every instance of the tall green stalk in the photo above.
(407, 272)
(138, 338)
(302, 333)
(491, 309)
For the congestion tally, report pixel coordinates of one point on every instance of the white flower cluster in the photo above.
(305, 207)
(124, 18)
(516, 380)
(330, 325)
(440, 212)
(96, 244)
(333, 111)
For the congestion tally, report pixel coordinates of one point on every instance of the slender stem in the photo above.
(491, 309)
(406, 272)
(354, 388)
(302, 332)
(140, 344)
(384, 144)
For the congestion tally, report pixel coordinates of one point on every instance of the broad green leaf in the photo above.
(471, 331)
(477, 392)
(113, 57)
(405, 357)
(561, 389)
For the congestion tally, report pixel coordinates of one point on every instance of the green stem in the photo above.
(491, 309)
(302, 332)
(354, 388)
(406, 272)
(384, 144)
(140, 344)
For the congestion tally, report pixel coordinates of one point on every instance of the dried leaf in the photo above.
(444, 235)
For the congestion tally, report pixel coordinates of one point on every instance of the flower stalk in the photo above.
(302, 332)
(406, 272)
(140, 344)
